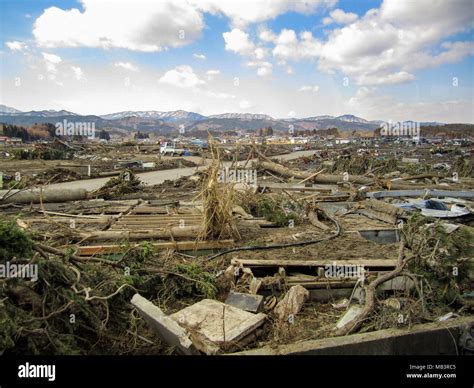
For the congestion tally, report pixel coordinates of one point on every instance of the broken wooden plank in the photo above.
(293, 187)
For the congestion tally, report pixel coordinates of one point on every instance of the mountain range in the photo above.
(169, 122)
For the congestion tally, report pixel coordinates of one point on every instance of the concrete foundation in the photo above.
(438, 338)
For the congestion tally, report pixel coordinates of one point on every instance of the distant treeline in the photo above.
(448, 130)
(320, 132)
(41, 131)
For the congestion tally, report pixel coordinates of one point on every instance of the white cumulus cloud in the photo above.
(15, 45)
(243, 12)
(386, 45)
(142, 26)
(181, 77)
(340, 17)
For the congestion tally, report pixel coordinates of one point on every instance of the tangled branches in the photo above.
(82, 306)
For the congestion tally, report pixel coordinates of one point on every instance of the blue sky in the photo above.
(390, 60)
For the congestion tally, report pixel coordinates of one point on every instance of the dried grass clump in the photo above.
(217, 201)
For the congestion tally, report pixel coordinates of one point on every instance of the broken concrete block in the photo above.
(350, 316)
(247, 302)
(218, 322)
(292, 302)
(165, 327)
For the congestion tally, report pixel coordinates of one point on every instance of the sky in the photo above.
(380, 60)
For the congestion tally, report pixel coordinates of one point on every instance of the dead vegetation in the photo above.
(217, 201)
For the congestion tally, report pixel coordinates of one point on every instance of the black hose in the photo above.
(278, 246)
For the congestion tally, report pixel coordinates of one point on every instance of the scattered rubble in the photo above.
(340, 243)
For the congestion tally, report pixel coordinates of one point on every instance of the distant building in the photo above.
(342, 141)
(10, 140)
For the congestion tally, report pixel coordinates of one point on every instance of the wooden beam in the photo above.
(178, 245)
(48, 220)
(137, 234)
(314, 263)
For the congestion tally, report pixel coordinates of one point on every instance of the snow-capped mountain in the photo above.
(316, 118)
(39, 113)
(8, 110)
(153, 120)
(177, 115)
(242, 116)
(49, 113)
(351, 119)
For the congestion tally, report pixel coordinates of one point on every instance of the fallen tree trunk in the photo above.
(45, 195)
(334, 179)
(321, 178)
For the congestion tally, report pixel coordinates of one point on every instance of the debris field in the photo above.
(251, 250)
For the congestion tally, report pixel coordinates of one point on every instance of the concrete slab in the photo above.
(217, 321)
(438, 338)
